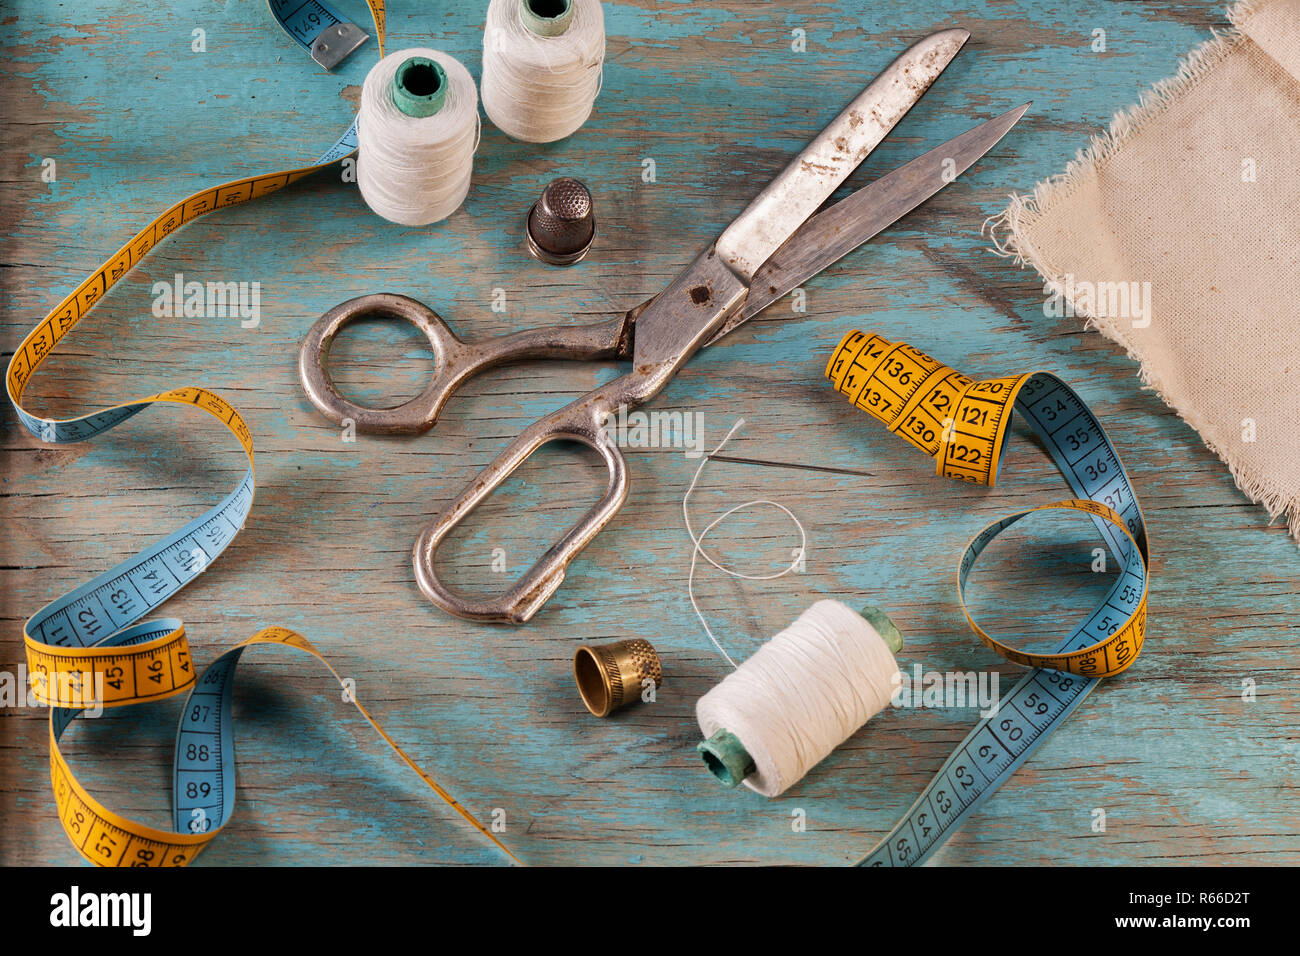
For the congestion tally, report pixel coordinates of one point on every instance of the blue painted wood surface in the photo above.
(1185, 769)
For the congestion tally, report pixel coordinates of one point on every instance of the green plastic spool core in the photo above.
(419, 87)
(884, 626)
(726, 758)
(547, 18)
(724, 754)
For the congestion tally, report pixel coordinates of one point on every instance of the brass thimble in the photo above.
(611, 676)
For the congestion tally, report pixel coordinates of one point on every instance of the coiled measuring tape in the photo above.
(89, 648)
(963, 425)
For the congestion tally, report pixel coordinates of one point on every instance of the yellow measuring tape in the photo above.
(963, 425)
(90, 648)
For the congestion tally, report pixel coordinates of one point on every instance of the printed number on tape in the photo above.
(963, 425)
(89, 647)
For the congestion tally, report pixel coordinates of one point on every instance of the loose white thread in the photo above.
(802, 694)
(805, 691)
(698, 542)
(416, 170)
(540, 89)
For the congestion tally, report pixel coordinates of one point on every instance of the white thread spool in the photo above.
(542, 62)
(417, 131)
(800, 696)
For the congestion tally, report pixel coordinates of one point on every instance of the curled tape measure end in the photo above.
(963, 425)
(90, 648)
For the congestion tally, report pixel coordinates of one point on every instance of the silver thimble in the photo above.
(561, 225)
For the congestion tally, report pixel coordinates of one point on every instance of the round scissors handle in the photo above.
(411, 417)
(455, 361)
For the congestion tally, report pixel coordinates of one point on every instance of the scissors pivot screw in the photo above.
(785, 236)
(560, 227)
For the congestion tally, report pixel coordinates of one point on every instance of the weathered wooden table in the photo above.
(1185, 766)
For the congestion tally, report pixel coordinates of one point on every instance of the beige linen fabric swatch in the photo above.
(1196, 191)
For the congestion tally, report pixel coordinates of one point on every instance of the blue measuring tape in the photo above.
(319, 30)
(329, 39)
(90, 648)
(965, 425)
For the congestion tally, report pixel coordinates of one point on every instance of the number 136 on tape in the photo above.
(963, 425)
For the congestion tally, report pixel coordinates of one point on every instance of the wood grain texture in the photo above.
(1186, 770)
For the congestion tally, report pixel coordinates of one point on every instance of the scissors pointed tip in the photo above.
(946, 43)
(976, 142)
(1001, 125)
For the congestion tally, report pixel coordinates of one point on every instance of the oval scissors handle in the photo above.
(680, 320)
(583, 421)
(455, 360)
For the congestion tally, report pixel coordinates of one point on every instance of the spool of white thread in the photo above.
(803, 693)
(417, 131)
(542, 62)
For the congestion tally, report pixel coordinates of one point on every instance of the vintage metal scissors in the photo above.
(778, 242)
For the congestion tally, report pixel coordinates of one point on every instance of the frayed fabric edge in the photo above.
(1007, 229)
(1257, 487)
(1008, 233)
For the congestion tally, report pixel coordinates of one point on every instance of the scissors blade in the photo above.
(837, 231)
(799, 190)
